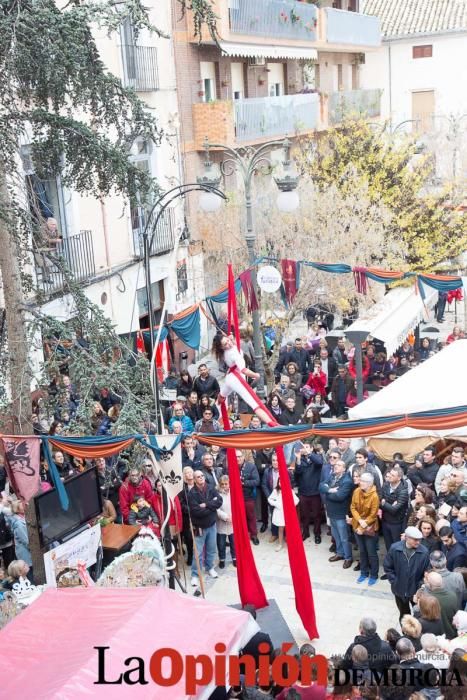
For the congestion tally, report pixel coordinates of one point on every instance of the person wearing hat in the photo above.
(405, 564)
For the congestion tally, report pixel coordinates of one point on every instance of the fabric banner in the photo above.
(289, 279)
(22, 462)
(166, 454)
(249, 291)
(79, 550)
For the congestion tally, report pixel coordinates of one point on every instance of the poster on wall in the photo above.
(61, 563)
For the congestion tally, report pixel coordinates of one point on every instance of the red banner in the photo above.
(22, 463)
(289, 279)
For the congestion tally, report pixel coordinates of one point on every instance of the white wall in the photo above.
(444, 73)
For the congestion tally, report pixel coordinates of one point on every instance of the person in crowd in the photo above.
(337, 493)
(206, 402)
(268, 484)
(456, 552)
(192, 407)
(211, 473)
(109, 480)
(249, 478)
(7, 549)
(429, 613)
(404, 565)
(224, 523)
(347, 455)
(205, 383)
(64, 466)
(453, 581)
(339, 353)
(180, 416)
(187, 537)
(423, 497)
(431, 652)
(134, 485)
(316, 382)
(184, 384)
(308, 465)
(219, 456)
(204, 501)
(191, 453)
(275, 405)
(460, 624)
(364, 509)
(283, 390)
(412, 629)
(457, 461)
(278, 519)
(456, 334)
(340, 387)
(299, 355)
(394, 504)
(447, 493)
(380, 654)
(19, 529)
(208, 424)
(424, 349)
(295, 378)
(366, 367)
(459, 525)
(142, 513)
(447, 601)
(100, 421)
(426, 474)
(363, 463)
(351, 399)
(321, 407)
(408, 660)
(19, 576)
(427, 527)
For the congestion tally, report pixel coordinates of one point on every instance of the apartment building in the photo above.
(102, 244)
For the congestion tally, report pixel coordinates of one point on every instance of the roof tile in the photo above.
(408, 17)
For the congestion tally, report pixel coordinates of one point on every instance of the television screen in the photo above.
(85, 497)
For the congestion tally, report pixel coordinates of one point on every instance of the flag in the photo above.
(140, 349)
(166, 457)
(162, 360)
(289, 279)
(22, 463)
(249, 291)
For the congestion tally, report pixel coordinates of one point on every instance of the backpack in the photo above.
(6, 535)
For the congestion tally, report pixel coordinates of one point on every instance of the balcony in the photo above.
(275, 19)
(342, 28)
(140, 67)
(164, 236)
(254, 120)
(366, 103)
(73, 256)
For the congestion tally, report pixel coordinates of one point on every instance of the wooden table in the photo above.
(116, 537)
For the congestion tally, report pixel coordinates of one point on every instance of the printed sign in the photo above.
(81, 549)
(269, 279)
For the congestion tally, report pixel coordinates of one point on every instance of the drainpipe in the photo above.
(107, 251)
(390, 87)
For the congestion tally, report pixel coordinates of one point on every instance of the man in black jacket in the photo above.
(408, 660)
(394, 503)
(427, 473)
(300, 356)
(455, 552)
(380, 654)
(204, 501)
(191, 453)
(308, 465)
(205, 384)
(405, 565)
(250, 481)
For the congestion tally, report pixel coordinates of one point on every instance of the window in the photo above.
(208, 80)
(46, 196)
(182, 277)
(275, 90)
(157, 294)
(337, 4)
(425, 51)
(354, 76)
(353, 6)
(141, 157)
(340, 77)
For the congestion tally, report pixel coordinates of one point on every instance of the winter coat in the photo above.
(275, 500)
(317, 383)
(395, 503)
(209, 386)
(187, 423)
(207, 516)
(308, 474)
(195, 463)
(21, 538)
(224, 526)
(212, 477)
(380, 654)
(405, 575)
(426, 475)
(175, 517)
(144, 516)
(337, 504)
(364, 506)
(250, 480)
(456, 556)
(127, 493)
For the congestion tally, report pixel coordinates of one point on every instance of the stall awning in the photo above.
(264, 51)
(391, 319)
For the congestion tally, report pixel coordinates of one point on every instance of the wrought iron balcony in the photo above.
(140, 67)
(366, 103)
(277, 19)
(351, 28)
(265, 117)
(73, 256)
(164, 236)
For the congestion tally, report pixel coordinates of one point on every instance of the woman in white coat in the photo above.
(275, 500)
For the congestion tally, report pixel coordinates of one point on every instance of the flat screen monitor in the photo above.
(85, 498)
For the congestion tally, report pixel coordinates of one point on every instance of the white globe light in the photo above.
(210, 202)
(288, 201)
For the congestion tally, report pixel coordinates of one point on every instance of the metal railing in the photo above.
(278, 19)
(164, 236)
(140, 67)
(343, 27)
(287, 115)
(366, 103)
(73, 256)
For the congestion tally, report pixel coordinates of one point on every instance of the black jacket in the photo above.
(209, 386)
(394, 514)
(204, 517)
(405, 575)
(302, 359)
(417, 665)
(195, 463)
(337, 504)
(308, 474)
(289, 417)
(209, 475)
(425, 475)
(456, 556)
(250, 480)
(380, 654)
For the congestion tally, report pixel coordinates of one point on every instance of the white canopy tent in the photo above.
(398, 312)
(440, 382)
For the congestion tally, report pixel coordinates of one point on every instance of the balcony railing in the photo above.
(164, 236)
(277, 19)
(140, 67)
(74, 256)
(287, 115)
(366, 103)
(352, 28)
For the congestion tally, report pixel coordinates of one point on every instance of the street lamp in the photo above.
(148, 235)
(247, 161)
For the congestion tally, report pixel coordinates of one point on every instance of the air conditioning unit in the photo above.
(256, 61)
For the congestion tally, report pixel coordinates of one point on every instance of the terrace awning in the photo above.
(265, 51)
